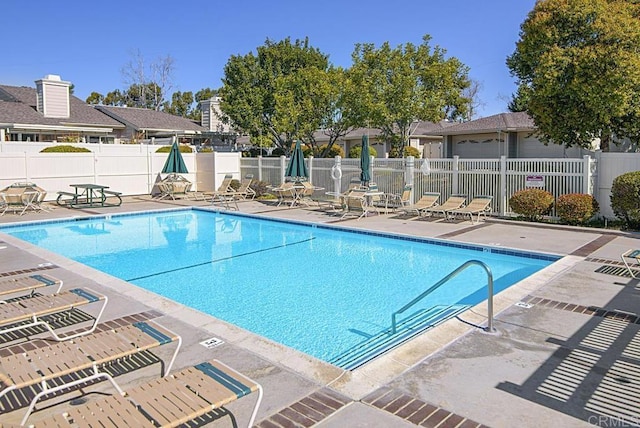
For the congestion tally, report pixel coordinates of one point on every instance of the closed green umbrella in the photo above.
(175, 164)
(365, 161)
(297, 169)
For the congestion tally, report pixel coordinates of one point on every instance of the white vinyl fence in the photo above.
(134, 170)
(130, 170)
(499, 178)
(610, 166)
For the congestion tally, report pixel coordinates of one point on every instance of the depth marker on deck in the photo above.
(212, 343)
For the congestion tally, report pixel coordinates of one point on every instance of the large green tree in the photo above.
(578, 64)
(263, 95)
(405, 84)
(313, 101)
(340, 109)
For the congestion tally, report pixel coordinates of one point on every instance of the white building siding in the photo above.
(53, 97)
(530, 147)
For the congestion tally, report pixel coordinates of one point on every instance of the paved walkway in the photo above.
(566, 351)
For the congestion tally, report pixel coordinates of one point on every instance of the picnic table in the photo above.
(89, 196)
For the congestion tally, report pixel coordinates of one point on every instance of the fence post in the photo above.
(259, 167)
(27, 160)
(586, 175)
(310, 169)
(150, 173)
(454, 175)
(95, 168)
(409, 171)
(371, 165)
(283, 168)
(503, 186)
(337, 176)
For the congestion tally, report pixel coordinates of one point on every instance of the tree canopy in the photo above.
(266, 95)
(402, 85)
(289, 91)
(578, 67)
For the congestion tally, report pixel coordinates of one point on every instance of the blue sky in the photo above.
(89, 43)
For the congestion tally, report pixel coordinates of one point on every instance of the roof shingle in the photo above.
(18, 106)
(150, 120)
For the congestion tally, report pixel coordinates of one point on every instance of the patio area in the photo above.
(566, 350)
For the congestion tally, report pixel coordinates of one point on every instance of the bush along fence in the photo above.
(500, 177)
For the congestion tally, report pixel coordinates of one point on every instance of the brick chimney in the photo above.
(53, 96)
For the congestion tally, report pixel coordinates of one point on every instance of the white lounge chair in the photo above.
(69, 364)
(168, 402)
(27, 313)
(454, 202)
(18, 284)
(631, 259)
(479, 205)
(427, 200)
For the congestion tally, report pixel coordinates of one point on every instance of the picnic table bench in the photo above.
(89, 196)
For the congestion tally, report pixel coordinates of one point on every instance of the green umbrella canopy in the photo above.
(297, 169)
(365, 161)
(175, 164)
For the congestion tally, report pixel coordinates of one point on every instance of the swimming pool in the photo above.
(326, 292)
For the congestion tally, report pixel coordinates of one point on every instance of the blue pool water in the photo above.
(322, 291)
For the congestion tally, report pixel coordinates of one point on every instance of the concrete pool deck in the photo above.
(566, 348)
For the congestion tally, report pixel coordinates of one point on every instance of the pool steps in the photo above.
(386, 340)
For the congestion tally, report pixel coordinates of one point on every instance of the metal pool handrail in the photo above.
(462, 267)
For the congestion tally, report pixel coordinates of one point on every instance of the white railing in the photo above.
(500, 178)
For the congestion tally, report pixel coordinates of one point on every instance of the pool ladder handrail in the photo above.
(437, 285)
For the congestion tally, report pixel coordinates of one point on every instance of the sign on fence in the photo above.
(534, 181)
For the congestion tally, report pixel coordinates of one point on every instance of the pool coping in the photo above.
(356, 383)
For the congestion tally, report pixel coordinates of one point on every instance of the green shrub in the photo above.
(411, 151)
(531, 203)
(277, 152)
(333, 152)
(181, 147)
(625, 199)
(65, 149)
(356, 150)
(235, 184)
(407, 151)
(576, 208)
(254, 152)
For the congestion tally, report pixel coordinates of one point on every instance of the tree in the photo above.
(142, 96)
(341, 114)
(148, 86)
(578, 62)
(205, 94)
(260, 91)
(114, 98)
(313, 99)
(407, 83)
(520, 100)
(95, 98)
(181, 105)
(472, 93)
